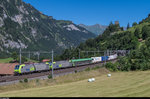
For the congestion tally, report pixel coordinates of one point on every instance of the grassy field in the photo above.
(7, 60)
(120, 84)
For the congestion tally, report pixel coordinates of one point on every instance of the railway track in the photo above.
(56, 72)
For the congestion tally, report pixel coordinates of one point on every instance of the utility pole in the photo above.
(105, 57)
(79, 53)
(29, 55)
(38, 55)
(87, 53)
(52, 65)
(106, 52)
(20, 55)
(110, 52)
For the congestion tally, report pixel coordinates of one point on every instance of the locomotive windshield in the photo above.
(17, 67)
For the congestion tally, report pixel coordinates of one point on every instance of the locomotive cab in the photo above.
(17, 69)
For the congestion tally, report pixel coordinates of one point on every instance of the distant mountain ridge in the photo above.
(21, 25)
(96, 29)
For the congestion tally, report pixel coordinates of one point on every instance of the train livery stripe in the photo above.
(60, 65)
(21, 67)
(50, 64)
(32, 69)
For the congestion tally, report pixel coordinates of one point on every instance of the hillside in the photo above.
(96, 29)
(21, 25)
(136, 39)
(101, 42)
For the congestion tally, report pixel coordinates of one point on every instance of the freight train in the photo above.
(45, 66)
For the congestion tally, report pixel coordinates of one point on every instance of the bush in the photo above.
(12, 61)
(124, 64)
(111, 66)
(25, 80)
(97, 67)
(75, 71)
(20, 81)
(50, 76)
(23, 59)
(87, 69)
(37, 80)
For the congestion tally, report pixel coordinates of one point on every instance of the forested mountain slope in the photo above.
(21, 25)
(136, 39)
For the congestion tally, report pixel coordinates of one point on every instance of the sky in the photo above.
(90, 12)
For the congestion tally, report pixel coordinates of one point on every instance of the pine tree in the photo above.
(110, 24)
(128, 26)
(148, 15)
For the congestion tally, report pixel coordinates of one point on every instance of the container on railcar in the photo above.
(104, 58)
(111, 57)
(96, 59)
(79, 62)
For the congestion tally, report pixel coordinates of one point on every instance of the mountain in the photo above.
(96, 29)
(21, 25)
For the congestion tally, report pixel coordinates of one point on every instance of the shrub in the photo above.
(23, 59)
(87, 69)
(20, 81)
(97, 67)
(37, 80)
(50, 76)
(75, 71)
(111, 66)
(25, 80)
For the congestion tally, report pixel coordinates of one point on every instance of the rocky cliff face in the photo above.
(21, 25)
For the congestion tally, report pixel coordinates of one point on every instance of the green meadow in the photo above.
(120, 84)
